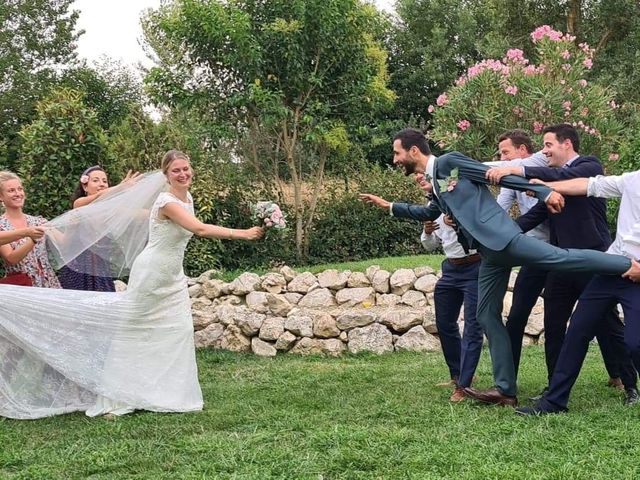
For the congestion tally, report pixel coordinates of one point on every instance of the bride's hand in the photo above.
(254, 233)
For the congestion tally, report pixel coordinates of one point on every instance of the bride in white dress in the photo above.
(112, 353)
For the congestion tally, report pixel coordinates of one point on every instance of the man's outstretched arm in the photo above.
(403, 210)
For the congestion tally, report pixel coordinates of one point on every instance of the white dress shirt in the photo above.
(507, 196)
(626, 187)
(445, 236)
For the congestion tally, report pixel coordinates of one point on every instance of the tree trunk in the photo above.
(573, 17)
(323, 153)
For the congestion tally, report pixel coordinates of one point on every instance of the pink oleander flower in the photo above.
(584, 112)
(442, 100)
(461, 81)
(566, 54)
(614, 157)
(562, 82)
(545, 31)
(518, 111)
(537, 127)
(566, 104)
(511, 90)
(582, 82)
(588, 62)
(515, 55)
(566, 67)
(463, 124)
(530, 70)
(430, 108)
(567, 113)
(613, 104)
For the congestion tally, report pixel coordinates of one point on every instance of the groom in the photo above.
(459, 189)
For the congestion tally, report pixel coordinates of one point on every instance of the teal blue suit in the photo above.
(484, 225)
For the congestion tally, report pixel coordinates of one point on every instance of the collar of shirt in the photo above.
(430, 170)
(568, 164)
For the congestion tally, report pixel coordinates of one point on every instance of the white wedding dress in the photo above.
(101, 352)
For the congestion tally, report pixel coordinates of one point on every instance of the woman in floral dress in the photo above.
(26, 255)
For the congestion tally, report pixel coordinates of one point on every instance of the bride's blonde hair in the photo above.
(170, 157)
(6, 175)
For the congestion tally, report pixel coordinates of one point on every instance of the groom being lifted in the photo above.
(459, 189)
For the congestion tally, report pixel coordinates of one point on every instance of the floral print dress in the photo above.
(36, 263)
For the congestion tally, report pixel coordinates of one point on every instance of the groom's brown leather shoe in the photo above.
(492, 396)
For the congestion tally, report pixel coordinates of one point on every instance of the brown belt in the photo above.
(465, 260)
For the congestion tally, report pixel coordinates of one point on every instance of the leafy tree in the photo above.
(36, 37)
(63, 140)
(281, 81)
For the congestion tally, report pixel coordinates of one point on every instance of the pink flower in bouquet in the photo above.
(269, 215)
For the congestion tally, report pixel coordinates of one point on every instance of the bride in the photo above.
(110, 353)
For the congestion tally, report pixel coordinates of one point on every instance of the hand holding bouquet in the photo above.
(269, 215)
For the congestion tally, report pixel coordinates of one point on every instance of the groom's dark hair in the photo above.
(410, 137)
(565, 131)
(518, 137)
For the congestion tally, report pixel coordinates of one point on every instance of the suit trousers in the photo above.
(458, 285)
(492, 286)
(526, 291)
(562, 292)
(595, 302)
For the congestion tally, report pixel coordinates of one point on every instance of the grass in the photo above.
(356, 417)
(386, 263)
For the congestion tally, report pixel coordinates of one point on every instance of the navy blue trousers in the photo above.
(458, 285)
(593, 306)
(529, 284)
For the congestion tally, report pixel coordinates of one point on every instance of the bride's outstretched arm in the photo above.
(179, 215)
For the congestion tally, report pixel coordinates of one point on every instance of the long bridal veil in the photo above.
(66, 350)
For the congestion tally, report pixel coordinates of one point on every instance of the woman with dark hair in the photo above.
(90, 271)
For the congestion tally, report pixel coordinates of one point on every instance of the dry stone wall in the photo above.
(327, 313)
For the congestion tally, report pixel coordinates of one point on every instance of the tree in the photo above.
(36, 37)
(281, 82)
(63, 140)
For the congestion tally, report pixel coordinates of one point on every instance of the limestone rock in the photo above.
(195, 290)
(535, 325)
(302, 283)
(293, 298)
(414, 299)
(380, 281)
(249, 322)
(324, 326)
(507, 301)
(213, 288)
(209, 337)
(245, 283)
(233, 339)
(429, 320)
(309, 346)
(262, 348)
(402, 280)
(226, 313)
(285, 341)
(203, 317)
(355, 318)
(358, 280)
(422, 271)
(288, 273)
(417, 340)
(208, 275)
(333, 279)
(278, 305)
(400, 319)
(200, 303)
(344, 336)
(426, 283)
(371, 271)
(527, 341)
(272, 328)
(273, 283)
(350, 297)
(230, 300)
(318, 298)
(299, 324)
(512, 280)
(387, 299)
(257, 301)
(374, 338)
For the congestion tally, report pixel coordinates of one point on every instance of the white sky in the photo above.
(113, 28)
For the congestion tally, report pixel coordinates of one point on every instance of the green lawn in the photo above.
(354, 417)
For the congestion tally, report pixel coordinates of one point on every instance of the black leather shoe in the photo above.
(537, 398)
(537, 410)
(631, 396)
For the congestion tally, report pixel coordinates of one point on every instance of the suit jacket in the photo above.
(478, 215)
(583, 221)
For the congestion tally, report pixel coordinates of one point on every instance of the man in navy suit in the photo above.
(581, 224)
(459, 187)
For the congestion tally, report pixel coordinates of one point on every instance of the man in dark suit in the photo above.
(581, 224)
(459, 188)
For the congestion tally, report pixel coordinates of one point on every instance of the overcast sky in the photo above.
(113, 28)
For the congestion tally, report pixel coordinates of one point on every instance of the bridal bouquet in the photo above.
(269, 215)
